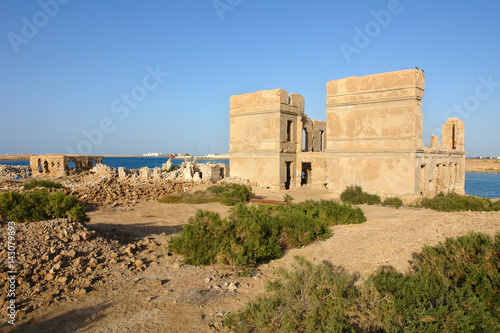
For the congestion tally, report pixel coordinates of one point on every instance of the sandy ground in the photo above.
(477, 165)
(14, 157)
(171, 297)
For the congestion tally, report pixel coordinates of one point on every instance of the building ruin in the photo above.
(372, 137)
(59, 165)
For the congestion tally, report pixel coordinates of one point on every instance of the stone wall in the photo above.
(58, 165)
(267, 129)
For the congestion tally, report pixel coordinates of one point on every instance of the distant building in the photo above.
(152, 154)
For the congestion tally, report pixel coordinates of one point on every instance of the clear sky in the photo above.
(129, 77)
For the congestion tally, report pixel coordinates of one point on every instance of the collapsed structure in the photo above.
(59, 165)
(372, 137)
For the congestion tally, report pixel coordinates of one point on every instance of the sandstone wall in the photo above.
(58, 165)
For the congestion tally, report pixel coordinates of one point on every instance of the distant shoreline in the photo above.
(471, 165)
(482, 165)
(18, 157)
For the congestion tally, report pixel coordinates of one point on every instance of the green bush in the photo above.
(393, 202)
(309, 298)
(40, 205)
(197, 197)
(227, 194)
(452, 287)
(256, 233)
(42, 183)
(355, 195)
(453, 202)
(231, 194)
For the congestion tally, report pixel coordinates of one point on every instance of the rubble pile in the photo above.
(113, 192)
(103, 170)
(57, 259)
(199, 172)
(14, 171)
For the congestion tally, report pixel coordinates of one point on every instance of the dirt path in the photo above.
(171, 297)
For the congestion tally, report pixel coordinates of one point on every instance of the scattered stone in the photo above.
(59, 268)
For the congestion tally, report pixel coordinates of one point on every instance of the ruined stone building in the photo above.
(372, 137)
(59, 165)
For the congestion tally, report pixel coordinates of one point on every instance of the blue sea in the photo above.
(479, 184)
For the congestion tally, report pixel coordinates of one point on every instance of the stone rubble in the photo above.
(14, 171)
(58, 259)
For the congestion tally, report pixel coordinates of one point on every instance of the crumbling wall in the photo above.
(258, 134)
(442, 165)
(266, 136)
(58, 165)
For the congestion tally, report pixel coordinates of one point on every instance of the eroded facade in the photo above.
(372, 137)
(59, 165)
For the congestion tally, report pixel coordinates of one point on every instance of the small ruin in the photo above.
(372, 137)
(188, 170)
(59, 165)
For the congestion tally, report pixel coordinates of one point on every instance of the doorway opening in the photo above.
(305, 174)
(288, 175)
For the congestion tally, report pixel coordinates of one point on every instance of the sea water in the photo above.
(482, 184)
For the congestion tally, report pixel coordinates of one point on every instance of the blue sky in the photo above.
(128, 77)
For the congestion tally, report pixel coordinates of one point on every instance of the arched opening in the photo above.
(40, 169)
(288, 175)
(305, 174)
(321, 138)
(46, 166)
(304, 140)
(453, 137)
(289, 125)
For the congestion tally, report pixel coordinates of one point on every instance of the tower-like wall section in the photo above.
(374, 127)
(263, 125)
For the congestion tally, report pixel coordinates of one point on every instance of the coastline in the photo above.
(482, 165)
(471, 165)
(17, 157)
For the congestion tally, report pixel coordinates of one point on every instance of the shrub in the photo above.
(197, 197)
(227, 194)
(255, 233)
(288, 198)
(40, 205)
(42, 183)
(309, 298)
(452, 287)
(355, 195)
(453, 202)
(393, 202)
(231, 194)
